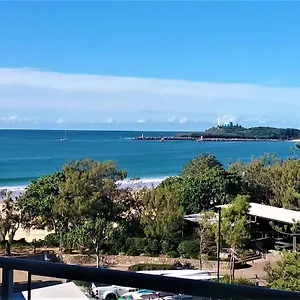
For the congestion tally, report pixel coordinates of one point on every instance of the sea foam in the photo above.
(128, 183)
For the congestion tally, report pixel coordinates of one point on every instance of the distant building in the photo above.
(228, 124)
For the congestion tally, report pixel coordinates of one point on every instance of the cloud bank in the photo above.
(39, 97)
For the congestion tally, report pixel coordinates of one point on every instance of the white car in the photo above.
(108, 292)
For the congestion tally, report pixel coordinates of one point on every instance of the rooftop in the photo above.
(268, 212)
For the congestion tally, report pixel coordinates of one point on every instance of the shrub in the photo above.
(148, 267)
(189, 249)
(132, 252)
(20, 242)
(52, 240)
(169, 246)
(173, 254)
(152, 246)
(239, 281)
(82, 283)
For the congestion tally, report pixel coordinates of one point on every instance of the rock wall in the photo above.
(122, 260)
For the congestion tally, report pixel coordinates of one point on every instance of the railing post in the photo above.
(29, 286)
(7, 283)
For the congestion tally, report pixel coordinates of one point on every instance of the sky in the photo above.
(149, 65)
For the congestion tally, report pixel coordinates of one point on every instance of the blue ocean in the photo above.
(28, 154)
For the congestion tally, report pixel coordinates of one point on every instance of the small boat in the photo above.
(200, 139)
(64, 138)
(162, 139)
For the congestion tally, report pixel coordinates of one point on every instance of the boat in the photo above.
(162, 139)
(200, 139)
(64, 138)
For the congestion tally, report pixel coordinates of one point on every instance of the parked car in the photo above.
(108, 292)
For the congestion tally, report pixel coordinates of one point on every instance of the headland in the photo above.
(230, 132)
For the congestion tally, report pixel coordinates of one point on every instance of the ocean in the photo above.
(28, 154)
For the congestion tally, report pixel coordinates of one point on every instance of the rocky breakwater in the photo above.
(208, 139)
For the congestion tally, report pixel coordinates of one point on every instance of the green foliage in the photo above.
(173, 254)
(270, 180)
(82, 283)
(162, 216)
(170, 246)
(206, 184)
(235, 231)
(255, 178)
(205, 234)
(52, 240)
(132, 252)
(81, 203)
(238, 281)
(38, 202)
(149, 267)
(240, 132)
(285, 274)
(189, 249)
(10, 220)
(201, 165)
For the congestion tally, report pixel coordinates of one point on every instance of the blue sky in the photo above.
(149, 65)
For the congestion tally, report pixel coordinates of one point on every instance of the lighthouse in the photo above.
(219, 121)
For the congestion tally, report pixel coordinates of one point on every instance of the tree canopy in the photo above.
(270, 180)
(10, 220)
(205, 184)
(162, 216)
(235, 231)
(285, 274)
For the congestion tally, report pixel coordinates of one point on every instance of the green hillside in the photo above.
(240, 132)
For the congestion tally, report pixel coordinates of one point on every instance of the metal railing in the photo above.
(204, 289)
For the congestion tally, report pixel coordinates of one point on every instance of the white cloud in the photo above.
(11, 119)
(82, 98)
(228, 118)
(16, 119)
(60, 121)
(183, 120)
(141, 121)
(109, 120)
(172, 119)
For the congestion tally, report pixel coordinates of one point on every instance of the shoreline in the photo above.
(134, 184)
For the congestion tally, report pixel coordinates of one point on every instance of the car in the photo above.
(108, 292)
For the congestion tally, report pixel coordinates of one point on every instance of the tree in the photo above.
(235, 230)
(91, 202)
(270, 180)
(162, 216)
(234, 223)
(285, 184)
(205, 184)
(10, 222)
(205, 234)
(38, 202)
(213, 188)
(285, 274)
(201, 165)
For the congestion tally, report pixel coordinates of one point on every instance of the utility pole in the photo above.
(219, 242)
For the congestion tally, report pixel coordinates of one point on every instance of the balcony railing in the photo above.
(201, 289)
